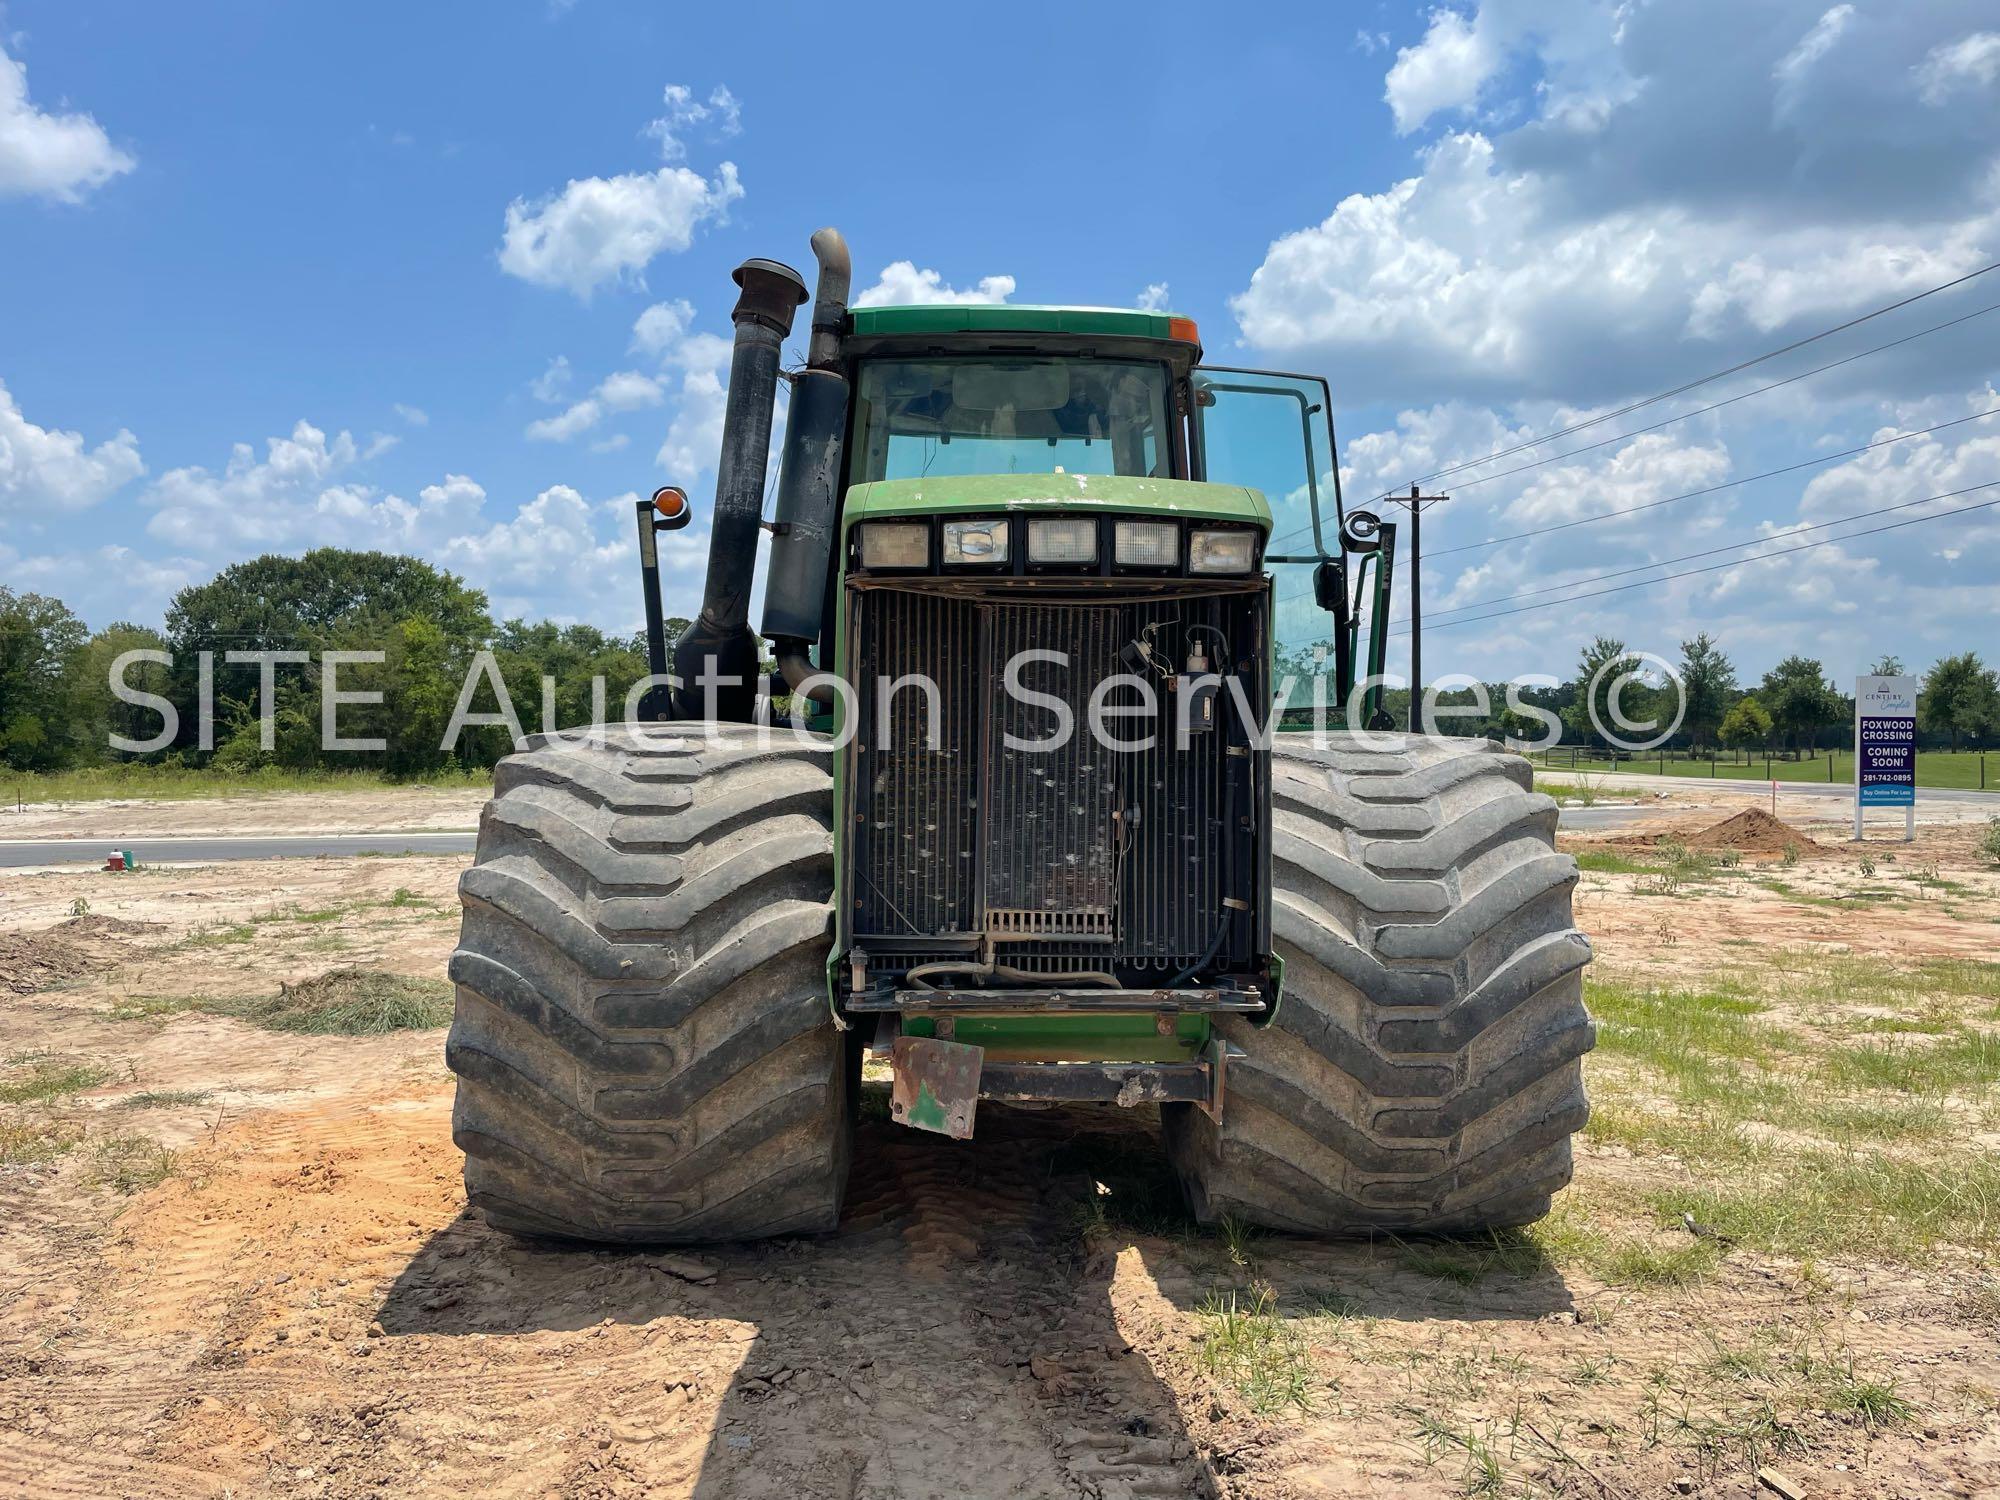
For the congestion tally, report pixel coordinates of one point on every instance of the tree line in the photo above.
(1793, 708)
(58, 710)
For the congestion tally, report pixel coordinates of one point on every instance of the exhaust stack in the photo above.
(809, 479)
(719, 643)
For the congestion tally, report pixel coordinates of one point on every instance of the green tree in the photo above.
(1887, 666)
(1746, 725)
(329, 597)
(1960, 695)
(1799, 699)
(1707, 680)
(41, 642)
(100, 713)
(1576, 713)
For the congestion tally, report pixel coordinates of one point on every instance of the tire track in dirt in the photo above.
(309, 1309)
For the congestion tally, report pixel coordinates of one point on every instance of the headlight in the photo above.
(1147, 544)
(1068, 541)
(1221, 551)
(895, 544)
(973, 543)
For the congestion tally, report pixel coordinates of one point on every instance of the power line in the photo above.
(1712, 489)
(1701, 381)
(1668, 562)
(1297, 532)
(1736, 563)
(1827, 458)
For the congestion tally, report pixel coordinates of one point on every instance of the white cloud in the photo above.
(416, 416)
(628, 390)
(1446, 70)
(553, 382)
(902, 283)
(42, 468)
(1815, 44)
(1652, 214)
(1972, 61)
(1153, 298)
(607, 229)
(722, 114)
(1649, 468)
(694, 437)
(294, 497)
(576, 419)
(50, 155)
(662, 326)
(548, 561)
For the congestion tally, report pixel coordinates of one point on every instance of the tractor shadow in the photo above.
(970, 1327)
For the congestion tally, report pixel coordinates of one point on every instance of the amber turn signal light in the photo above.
(670, 504)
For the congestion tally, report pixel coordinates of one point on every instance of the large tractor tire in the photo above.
(1424, 1070)
(642, 1040)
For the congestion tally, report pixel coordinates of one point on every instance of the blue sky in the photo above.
(453, 279)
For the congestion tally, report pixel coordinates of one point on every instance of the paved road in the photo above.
(196, 850)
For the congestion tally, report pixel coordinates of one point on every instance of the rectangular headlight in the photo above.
(1072, 540)
(1221, 551)
(1147, 544)
(895, 544)
(974, 543)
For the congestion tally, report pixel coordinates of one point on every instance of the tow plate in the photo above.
(936, 1084)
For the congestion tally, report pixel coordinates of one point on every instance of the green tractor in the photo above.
(1037, 840)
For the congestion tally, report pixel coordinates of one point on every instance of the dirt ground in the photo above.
(384, 809)
(287, 1296)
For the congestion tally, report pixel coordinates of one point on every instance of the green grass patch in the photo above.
(1249, 1347)
(1848, 1203)
(51, 1080)
(1610, 862)
(185, 783)
(1961, 1059)
(130, 1163)
(353, 1002)
(1934, 768)
(342, 1002)
(1651, 1263)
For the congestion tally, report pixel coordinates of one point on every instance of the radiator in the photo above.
(1077, 856)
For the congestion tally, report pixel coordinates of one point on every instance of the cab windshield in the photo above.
(919, 419)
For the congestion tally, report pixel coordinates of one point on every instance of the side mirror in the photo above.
(1330, 583)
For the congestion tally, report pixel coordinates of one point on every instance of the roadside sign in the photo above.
(1885, 748)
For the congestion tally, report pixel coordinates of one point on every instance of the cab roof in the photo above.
(960, 329)
(960, 318)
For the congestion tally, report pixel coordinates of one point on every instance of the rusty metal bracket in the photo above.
(1216, 1057)
(935, 1084)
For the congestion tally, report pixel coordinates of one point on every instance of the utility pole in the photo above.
(1416, 501)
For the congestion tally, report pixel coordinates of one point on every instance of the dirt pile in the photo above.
(74, 947)
(31, 961)
(1753, 831)
(96, 925)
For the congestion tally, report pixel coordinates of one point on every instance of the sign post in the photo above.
(1885, 748)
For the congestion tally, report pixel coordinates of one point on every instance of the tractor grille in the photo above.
(1075, 856)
